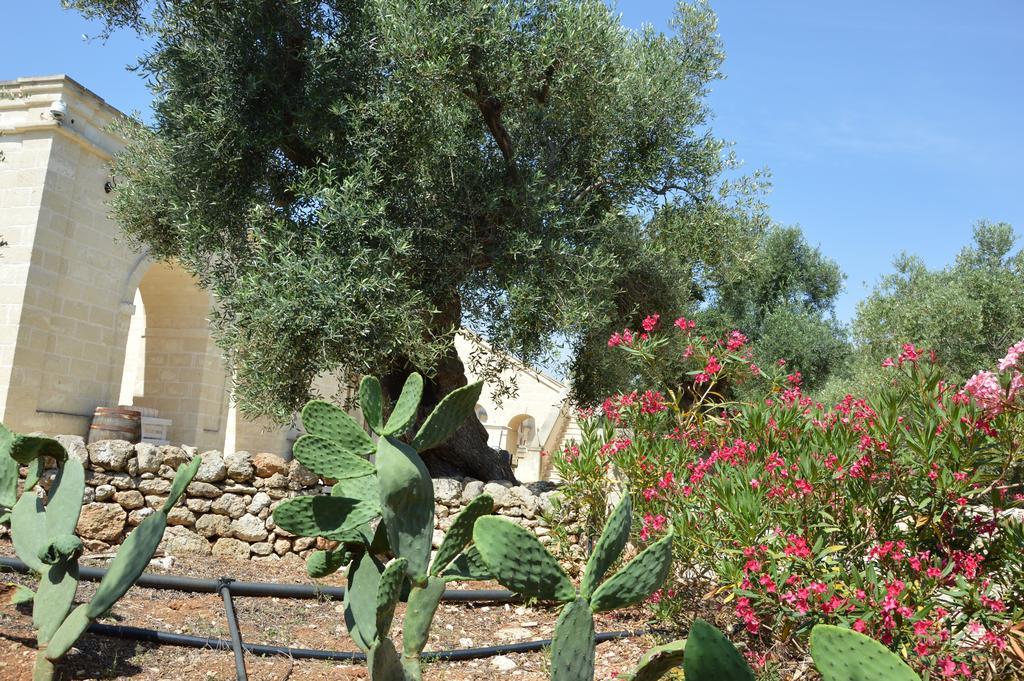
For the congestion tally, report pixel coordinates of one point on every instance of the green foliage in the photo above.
(572, 650)
(978, 296)
(519, 561)
(641, 577)
(609, 547)
(658, 661)
(355, 180)
(43, 537)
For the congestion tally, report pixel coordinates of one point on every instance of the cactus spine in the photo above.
(395, 488)
(44, 539)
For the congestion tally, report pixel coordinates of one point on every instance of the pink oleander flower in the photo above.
(650, 321)
(985, 389)
(1013, 356)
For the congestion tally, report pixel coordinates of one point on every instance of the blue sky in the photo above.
(887, 126)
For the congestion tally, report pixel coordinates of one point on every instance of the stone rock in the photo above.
(275, 481)
(514, 633)
(249, 528)
(282, 546)
(225, 547)
(138, 515)
(132, 468)
(300, 476)
(154, 486)
(166, 472)
(501, 495)
(203, 489)
(174, 456)
(181, 541)
(503, 663)
(179, 515)
(95, 545)
(472, 490)
(155, 501)
(149, 457)
(94, 478)
(101, 521)
(447, 491)
(111, 455)
(267, 464)
(276, 493)
(438, 537)
(198, 505)
(241, 489)
(212, 469)
(239, 466)
(260, 502)
(261, 549)
(212, 525)
(75, 445)
(88, 496)
(104, 492)
(130, 499)
(304, 543)
(230, 505)
(122, 481)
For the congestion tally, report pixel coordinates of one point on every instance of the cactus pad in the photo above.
(846, 655)
(323, 563)
(419, 613)
(388, 591)
(384, 663)
(609, 546)
(26, 448)
(61, 549)
(131, 559)
(330, 517)
(68, 632)
(331, 422)
(572, 648)
(182, 478)
(447, 416)
(364, 489)
(460, 534)
(407, 502)
(28, 530)
(403, 415)
(658, 661)
(709, 655)
(64, 503)
(641, 577)
(328, 459)
(56, 593)
(468, 566)
(361, 600)
(8, 480)
(371, 402)
(519, 561)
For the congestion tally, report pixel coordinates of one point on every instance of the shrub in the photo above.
(889, 514)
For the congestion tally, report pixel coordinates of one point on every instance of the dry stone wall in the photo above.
(226, 511)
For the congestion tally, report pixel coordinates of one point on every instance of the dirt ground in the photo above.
(294, 623)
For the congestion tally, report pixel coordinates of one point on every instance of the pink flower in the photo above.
(984, 388)
(650, 321)
(1013, 355)
(888, 362)
(684, 324)
(860, 625)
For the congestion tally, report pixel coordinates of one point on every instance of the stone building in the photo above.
(87, 321)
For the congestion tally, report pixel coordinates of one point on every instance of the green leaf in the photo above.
(27, 448)
(467, 567)
(328, 459)
(658, 661)
(709, 655)
(69, 631)
(404, 413)
(320, 564)
(519, 561)
(641, 577)
(370, 399)
(8, 480)
(419, 613)
(64, 502)
(361, 600)
(846, 655)
(447, 416)
(460, 534)
(331, 422)
(54, 598)
(22, 594)
(363, 489)
(609, 546)
(131, 559)
(28, 530)
(388, 591)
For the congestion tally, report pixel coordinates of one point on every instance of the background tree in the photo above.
(354, 181)
(968, 312)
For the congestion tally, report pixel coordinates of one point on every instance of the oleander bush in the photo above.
(896, 514)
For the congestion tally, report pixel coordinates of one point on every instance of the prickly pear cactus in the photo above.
(517, 559)
(44, 539)
(658, 661)
(709, 655)
(846, 655)
(396, 488)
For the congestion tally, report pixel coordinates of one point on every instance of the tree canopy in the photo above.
(354, 180)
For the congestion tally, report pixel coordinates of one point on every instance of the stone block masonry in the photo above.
(226, 511)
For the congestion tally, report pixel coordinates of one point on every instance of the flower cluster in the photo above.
(887, 514)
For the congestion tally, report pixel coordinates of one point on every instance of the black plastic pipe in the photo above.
(236, 634)
(154, 636)
(267, 589)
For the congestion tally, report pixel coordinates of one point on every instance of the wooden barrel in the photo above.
(116, 423)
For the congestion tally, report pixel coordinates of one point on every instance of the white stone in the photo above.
(249, 528)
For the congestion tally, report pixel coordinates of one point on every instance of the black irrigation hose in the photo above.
(236, 634)
(267, 589)
(153, 636)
